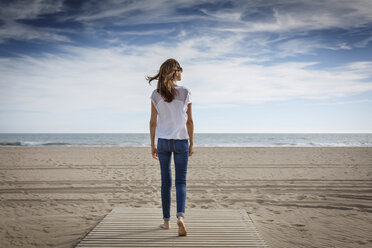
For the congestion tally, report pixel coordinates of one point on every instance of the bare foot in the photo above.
(166, 225)
(181, 227)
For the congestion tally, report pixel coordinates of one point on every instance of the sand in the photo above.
(297, 197)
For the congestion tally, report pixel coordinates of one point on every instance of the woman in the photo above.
(172, 122)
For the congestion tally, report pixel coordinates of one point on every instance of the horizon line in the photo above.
(206, 133)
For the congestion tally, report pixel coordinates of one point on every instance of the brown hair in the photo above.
(165, 78)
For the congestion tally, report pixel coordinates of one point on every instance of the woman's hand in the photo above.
(191, 150)
(154, 152)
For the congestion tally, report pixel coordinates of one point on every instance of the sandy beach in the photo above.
(297, 197)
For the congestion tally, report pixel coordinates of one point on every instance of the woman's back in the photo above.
(172, 116)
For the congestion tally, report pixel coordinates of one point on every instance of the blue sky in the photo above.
(252, 66)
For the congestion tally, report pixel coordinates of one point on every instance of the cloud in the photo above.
(113, 79)
(199, 17)
(232, 82)
(345, 102)
(363, 42)
(28, 9)
(12, 11)
(294, 47)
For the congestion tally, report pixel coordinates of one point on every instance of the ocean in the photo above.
(200, 139)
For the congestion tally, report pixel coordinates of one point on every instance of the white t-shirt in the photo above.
(172, 116)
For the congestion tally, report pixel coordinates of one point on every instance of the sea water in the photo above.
(200, 139)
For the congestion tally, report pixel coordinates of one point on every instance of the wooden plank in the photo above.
(139, 227)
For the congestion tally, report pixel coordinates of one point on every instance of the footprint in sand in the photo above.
(299, 225)
(275, 211)
(301, 197)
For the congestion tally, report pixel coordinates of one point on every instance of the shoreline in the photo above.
(149, 146)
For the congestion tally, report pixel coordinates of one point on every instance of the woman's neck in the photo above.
(174, 83)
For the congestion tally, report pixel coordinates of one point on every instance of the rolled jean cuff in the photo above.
(181, 214)
(166, 218)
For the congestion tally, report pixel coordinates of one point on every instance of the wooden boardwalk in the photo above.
(138, 227)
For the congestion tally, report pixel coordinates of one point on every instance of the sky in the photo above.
(252, 66)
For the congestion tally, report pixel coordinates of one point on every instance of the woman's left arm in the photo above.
(153, 122)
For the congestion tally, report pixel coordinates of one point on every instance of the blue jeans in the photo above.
(180, 149)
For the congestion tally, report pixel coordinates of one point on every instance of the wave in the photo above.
(38, 144)
(10, 143)
(287, 145)
(56, 144)
(29, 143)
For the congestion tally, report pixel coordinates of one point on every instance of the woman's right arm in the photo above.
(153, 123)
(190, 129)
